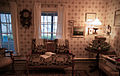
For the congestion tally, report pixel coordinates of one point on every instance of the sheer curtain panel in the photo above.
(61, 22)
(37, 22)
(14, 21)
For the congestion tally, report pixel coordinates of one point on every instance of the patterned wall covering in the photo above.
(76, 10)
(115, 35)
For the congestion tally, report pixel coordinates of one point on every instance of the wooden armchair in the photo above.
(6, 60)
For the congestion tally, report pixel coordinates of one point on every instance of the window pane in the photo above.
(54, 36)
(10, 37)
(3, 18)
(4, 45)
(9, 28)
(10, 18)
(4, 38)
(49, 36)
(41, 19)
(45, 18)
(49, 18)
(4, 28)
(6, 34)
(54, 27)
(49, 28)
(45, 28)
(55, 18)
(41, 28)
(45, 36)
(11, 46)
(7, 18)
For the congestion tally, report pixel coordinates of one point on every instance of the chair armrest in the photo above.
(72, 55)
(11, 54)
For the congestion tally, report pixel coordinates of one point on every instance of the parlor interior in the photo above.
(91, 28)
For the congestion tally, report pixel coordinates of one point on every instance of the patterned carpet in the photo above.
(47, 73)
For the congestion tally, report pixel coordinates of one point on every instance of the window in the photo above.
(6, 34)
(48, 25)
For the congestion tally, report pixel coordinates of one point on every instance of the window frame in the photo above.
(8, 32)
(52, 14)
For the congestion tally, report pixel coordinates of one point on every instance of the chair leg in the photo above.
(27, 69)
(27, 72)
(73, 69)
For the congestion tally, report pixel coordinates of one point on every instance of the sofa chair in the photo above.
(5, 60)
(50, 54)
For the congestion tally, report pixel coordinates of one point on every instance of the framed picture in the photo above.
(90, 31)
(117, 18)
(108, 29)
(90, 16)
(78, 31)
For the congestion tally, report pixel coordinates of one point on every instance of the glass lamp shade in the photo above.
(96, 22)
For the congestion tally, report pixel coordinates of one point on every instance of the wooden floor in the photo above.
(81, 69)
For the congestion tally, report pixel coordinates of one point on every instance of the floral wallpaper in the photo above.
(112, 6)
(76, 10)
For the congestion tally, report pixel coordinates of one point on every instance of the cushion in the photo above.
(57, 59)
(5, 61)
(61, 42)
(40, 49)
(62, 49)
(62, 59)
(49, 53)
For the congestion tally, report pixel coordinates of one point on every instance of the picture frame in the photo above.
(90, 16)
(90, 31)
(117, 18)
(78, 31)
(108, 30)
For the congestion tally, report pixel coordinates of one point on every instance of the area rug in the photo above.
(48, 73)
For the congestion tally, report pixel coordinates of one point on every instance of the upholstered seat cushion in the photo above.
(4, 61)
(56, 59)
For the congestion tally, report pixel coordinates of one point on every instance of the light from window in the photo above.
(6, 34)
(48, 25)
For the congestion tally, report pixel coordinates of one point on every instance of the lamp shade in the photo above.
(96, 22)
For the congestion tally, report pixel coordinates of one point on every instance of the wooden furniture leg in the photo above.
(72, 68)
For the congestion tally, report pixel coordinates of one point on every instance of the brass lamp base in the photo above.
(95, 30)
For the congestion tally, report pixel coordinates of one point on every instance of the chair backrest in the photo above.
(62, 42)
(2, 52)
(62, 46)
(51, 45)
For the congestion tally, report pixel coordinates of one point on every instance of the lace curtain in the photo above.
(37, 22)
(60, 33)
(14, 21)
